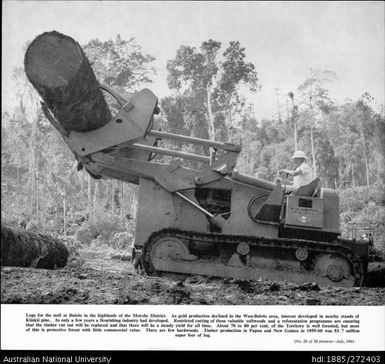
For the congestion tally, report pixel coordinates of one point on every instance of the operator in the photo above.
(302, 173)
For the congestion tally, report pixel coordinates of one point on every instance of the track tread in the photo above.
(264, 242)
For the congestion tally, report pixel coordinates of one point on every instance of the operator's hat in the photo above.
(299, 154)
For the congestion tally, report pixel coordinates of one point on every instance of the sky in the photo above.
(284, 40)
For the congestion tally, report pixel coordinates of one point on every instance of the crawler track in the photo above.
(213, 265)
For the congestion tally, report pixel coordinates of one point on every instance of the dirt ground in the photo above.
(107, 277)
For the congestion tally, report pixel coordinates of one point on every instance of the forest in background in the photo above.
(41, 189)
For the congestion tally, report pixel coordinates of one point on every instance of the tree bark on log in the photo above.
(22, 248)
(57, 67)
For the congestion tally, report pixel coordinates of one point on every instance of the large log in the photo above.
(22, 248)
(57, 67)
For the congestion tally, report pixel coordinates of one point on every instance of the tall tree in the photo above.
(210, 82)
(120, 63)
(234, 70)
(314, 96)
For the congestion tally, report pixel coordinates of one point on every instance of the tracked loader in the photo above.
(210, 220)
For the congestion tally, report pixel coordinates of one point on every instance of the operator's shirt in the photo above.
(305, 176)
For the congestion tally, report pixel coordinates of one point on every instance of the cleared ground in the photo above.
(107, 277)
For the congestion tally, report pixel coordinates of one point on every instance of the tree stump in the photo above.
(22, 248)
(57, 67)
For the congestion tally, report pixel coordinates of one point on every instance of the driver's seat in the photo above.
(309, 190)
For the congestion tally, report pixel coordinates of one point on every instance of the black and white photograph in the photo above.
(193, 153)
